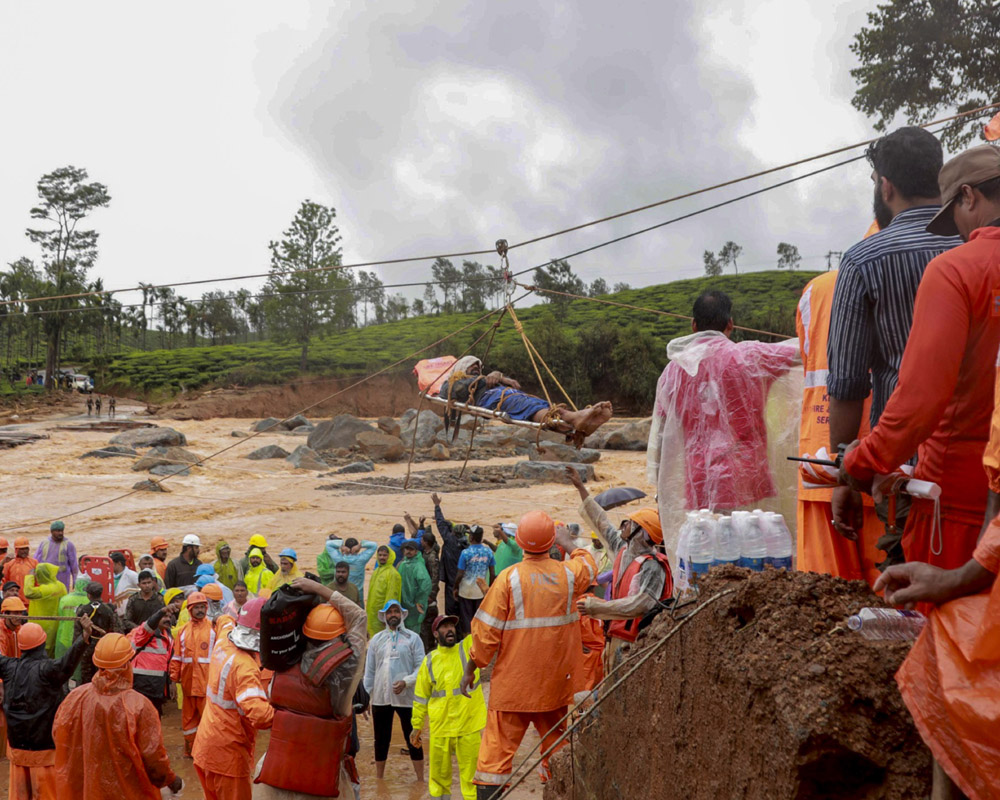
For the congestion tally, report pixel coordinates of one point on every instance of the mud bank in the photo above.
(763, 694)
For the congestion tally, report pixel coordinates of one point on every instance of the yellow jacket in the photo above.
(437, 693)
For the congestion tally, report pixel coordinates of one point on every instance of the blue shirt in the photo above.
(356, 562)
(476, 560)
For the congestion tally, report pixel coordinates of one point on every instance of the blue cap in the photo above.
(389, 604)
(203, 581)
(205, 569)
(289, 553)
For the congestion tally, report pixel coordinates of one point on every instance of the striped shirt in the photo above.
(873, 306)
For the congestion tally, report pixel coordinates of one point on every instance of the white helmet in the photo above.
(191, 539)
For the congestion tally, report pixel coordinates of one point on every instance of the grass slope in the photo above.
(764, 300)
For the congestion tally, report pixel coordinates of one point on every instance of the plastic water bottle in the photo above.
(753, 551)
(777, 540)
(887, 623)
(683, 555)
(701, 548)
(727, 543)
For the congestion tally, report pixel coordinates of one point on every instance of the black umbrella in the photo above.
(618, 496)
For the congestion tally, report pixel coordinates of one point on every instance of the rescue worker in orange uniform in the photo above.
(314, 704)
(158, 550)
(189, 665)
(33, 689)
(237, 708)
(819, 546)
(108, 737)
(529, 622)
(20, 566)
(9, 647)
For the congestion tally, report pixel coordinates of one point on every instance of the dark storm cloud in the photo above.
(446, 125)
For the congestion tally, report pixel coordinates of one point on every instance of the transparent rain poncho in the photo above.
(726, 415)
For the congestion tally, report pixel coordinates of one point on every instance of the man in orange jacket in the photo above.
(529, 622)
(108, 737)
(237, 708)
(22, 564)
(9, 646)
(189, 665)
(944, 399)
(158, 550)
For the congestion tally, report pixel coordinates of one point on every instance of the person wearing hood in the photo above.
(288, 560)
(258, 576)
(61, 552)
(108, 741)
(393, 660)
(454, 539)
(227, 570)
(68, 604)
(18, 567)
(102, 616)
(11, 625)
(33, 690)
(709, 413)
(158, 550)
(206, 575)
(415, 585)
(260, 543)
(189, 665)
(237, 708)
(44, 591)
(386, 584)
(154, 648)
(356, 554)
(181, 570)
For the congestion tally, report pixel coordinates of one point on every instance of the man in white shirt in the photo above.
(125, 578)
(394, 658)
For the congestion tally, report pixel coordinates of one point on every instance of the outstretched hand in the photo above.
(574, 478)
(914, 582)
(436, 498)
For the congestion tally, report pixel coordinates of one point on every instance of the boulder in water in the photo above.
(380, 446)
(111, 451)
(150, 437)
(268, 451)
(266, 425)
(356, 467)
(338, 432)
(549, 472)
(303, 457)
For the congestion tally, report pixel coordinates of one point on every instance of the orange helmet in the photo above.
(112, 651)
(157, 543)
(324, 623)
(30, 636)
(211, 590)
(12, 604)
(195, 598)
(21, 541)
(536, 532)
(3, 543)
(649, 520)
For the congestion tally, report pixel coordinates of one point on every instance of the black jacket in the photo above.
(180, 572)
(451, 548)
(33, 688)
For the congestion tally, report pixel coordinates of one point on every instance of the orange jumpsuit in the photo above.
(189, 667)
(820, 548)
(9, 648)
(591, 669)
(15, 570)
(160, 567)
(109, 742)
(528, 620)
(944, 400)
(237, 707)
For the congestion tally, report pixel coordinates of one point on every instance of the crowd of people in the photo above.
(899, 350)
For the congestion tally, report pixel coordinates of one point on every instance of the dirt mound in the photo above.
(764, 694)
(386, 395)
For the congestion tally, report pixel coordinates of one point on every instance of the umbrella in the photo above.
(618, 496)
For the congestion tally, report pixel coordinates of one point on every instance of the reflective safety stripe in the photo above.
(492, 778)
(816, 378)
(542, 622)
(156, 673)
(452, 692)
(570, 581)
(515, 593)
(185, 660)
(461, 656)
(430, 667)
(490, 620)
(254, 692)
(218, 697)
(189, 732)
(203, 660)
(418, 699)
(175, 657)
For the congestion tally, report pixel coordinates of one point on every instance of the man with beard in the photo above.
(189, 665)
(873, 303)
(456, 721)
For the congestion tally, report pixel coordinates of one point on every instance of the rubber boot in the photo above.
(487, 792)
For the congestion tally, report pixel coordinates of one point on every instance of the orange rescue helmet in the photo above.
(21, 541)
(3, 543)
(536, 532)
(649, 520)
(12, 604)
(196, 598)
(112, 651)
(30, 636)
(324, 623)
(157, 543)
(211, 590)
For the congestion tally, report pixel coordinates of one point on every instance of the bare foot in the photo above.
(592, 418)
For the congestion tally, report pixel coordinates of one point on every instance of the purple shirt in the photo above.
(62, 555)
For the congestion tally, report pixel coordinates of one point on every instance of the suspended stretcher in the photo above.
(479, 411)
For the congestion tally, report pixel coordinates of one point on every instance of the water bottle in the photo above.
(727, 543)
(887, 623)
(777, 541)
(701, 547)
(683, 560)
(753, 551)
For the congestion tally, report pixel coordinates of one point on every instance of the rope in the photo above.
(258, 433)
(640, 308)
(520, 329)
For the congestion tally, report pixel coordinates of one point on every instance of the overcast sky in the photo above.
(431, 126)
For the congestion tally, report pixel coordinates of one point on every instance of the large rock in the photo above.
(379, 446)
(170, 469)
(239, 434)
(295, 422)
(150, 437)
(149, 486)
(337, 432)
(111, 451)
(439, 452)
(268, 451)
(427, 425)
(631, 436)
(407, 416)
(165, 456)
(302, 430)
(303, 457)
(356, 467)
(530, 434)
(548, 472)
(266, 424)
(390, 426)
(553, 451)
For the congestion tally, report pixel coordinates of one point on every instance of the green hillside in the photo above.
(592, 347)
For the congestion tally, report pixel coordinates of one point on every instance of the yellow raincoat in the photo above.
(43, 592)
(257, 578)
(281, 578)
(386, 584)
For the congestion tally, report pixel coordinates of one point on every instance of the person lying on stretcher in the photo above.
(467, 384)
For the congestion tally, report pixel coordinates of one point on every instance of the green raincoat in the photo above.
(68, 604)
(386, 584)
(43, 591)
(228, 572)
(416, 587)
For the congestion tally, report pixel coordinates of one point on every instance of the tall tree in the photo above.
(713, 266)
(307, 304)
(558, 276)
(598, 287)
(448, 276)
(729, 253)
(788, 256)
(65, 200)
(924, 57)
(430, 299)
(621, 286)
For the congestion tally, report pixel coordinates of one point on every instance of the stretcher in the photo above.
(482, 413)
